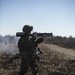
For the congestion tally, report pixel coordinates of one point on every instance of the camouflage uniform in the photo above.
(26, 46)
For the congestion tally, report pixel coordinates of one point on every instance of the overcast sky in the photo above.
(56, 16)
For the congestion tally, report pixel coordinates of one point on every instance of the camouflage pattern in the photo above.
(26, 44)
(26, 49)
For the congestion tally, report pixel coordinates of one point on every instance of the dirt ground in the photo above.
(68, 52)
(54, 61)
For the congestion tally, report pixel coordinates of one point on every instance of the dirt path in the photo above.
(68, 52)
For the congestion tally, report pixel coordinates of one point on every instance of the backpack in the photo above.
(25, 44)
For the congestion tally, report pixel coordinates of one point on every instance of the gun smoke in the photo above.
(8, 45)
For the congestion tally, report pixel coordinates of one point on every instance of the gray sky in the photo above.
(56, 16)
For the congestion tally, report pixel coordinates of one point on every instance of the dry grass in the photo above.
(51, 63)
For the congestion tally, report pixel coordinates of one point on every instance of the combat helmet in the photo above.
(27, 28)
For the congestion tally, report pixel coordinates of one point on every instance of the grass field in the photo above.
(51, 63)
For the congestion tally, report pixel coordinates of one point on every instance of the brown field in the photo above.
(52, 62)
